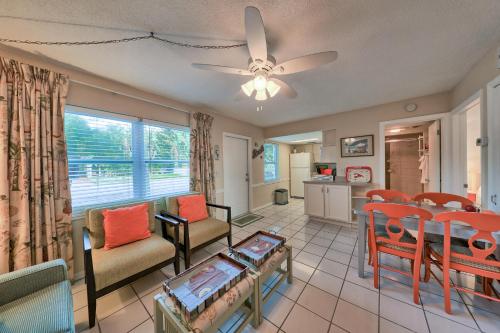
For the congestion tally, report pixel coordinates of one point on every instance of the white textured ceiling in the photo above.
(388, 49)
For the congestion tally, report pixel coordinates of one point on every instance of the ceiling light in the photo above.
(272, 88)
(260, 82)
(395, 130)
(261, 95)
(248, 88)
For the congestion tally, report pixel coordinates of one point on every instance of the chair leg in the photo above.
(375, 268)
(91, 307)
(446, 290)
(417, 263)
(370, 259)
(177, 268)
(229, 240)
(427, 263)
(187, 258)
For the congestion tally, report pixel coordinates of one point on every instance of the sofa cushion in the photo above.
(94, 221)
(193, 207)
(202, 231)
(172, 205)
(47, 310)
(125, 225)
(111, 266)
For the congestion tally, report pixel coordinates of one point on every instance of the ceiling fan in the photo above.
(262, 66)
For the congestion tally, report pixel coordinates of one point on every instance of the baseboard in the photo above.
(78, 276)
(261, 207)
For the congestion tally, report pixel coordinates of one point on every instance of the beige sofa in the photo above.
(197, 235)
(108, 270)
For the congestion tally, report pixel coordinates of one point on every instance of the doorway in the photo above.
(412, 157)
(236, 173)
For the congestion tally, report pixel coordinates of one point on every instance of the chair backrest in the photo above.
(94, 221)
(483, 223)
(389, 195)
(441, 199)
(394, 227)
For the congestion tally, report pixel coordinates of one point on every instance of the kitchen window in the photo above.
(115, 158)
(270, 162)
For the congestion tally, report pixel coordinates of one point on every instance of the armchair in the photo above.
(195, 236)
(108, 270)
(37, 299)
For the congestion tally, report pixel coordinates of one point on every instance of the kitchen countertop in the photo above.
(337, 181)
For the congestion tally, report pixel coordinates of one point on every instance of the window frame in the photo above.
(138, 142)
(275, 162)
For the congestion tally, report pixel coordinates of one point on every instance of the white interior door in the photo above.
(236, 174)
(493, 201)
(434, 157)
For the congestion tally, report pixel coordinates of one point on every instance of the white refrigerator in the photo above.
(300, 170)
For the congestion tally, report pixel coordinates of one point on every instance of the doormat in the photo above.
(246, 219)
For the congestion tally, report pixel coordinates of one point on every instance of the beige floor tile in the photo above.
(302, 271)
(326, 282)
(336, 329)
(125, 319)
(145, 327)
(333, 267)
(321, 241)
(115, 301)
(302, 320)
(308, 258)
(296, 243)
(79, 299)
(481, 303)
(148, 301)
(292, 290)
(354, 319)
(317, 301)
(302, 236)
(443, 325)
(435, 304)
(345, 239)
(345, 248)
(396, 290)
(367, 281)
(362, 297)
(326, 234)
(264, 327)
(315, 249)
(277, 308)
(487, 321)
(403, 314)
(387, 326)
(81, 318)
(338, 256)
(148, 283)
(78, 286)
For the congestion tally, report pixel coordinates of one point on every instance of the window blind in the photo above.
(114, 160)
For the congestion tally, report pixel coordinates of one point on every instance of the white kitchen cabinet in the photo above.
(338, 202)
(332, 202)
(314, 200)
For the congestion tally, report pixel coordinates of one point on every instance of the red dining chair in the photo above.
(441, 199)
(471, 258)
(394, 241)
(387, 196)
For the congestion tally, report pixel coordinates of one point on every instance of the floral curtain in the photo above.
(35, 205)
(202, 160)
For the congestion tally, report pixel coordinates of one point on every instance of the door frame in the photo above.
(487, 131)
(249, 164)
(381, 142)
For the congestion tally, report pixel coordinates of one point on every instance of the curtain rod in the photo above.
(128, 95)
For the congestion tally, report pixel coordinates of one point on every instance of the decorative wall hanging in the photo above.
(257, 151)
(356, 146)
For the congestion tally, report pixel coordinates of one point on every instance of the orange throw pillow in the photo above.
(125, 225)
(193, 207)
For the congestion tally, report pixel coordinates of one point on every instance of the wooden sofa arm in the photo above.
(177, 218)
(87, 260)
(173, 223)
(227, 208)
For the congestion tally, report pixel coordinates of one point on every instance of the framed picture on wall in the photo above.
(356, 146)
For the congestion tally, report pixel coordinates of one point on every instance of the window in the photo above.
(270, 162)
(113, 158)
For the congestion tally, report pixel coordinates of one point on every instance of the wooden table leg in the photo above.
(158, 315)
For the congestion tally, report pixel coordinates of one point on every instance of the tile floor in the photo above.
(326, 296)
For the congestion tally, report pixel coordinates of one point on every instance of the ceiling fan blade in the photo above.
(223, 69)
(285, 88)
(305, 63)
(256, 35)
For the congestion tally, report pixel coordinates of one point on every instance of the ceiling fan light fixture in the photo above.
(261, 95)
(272, 88)
(260, 82)
(248, 88)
